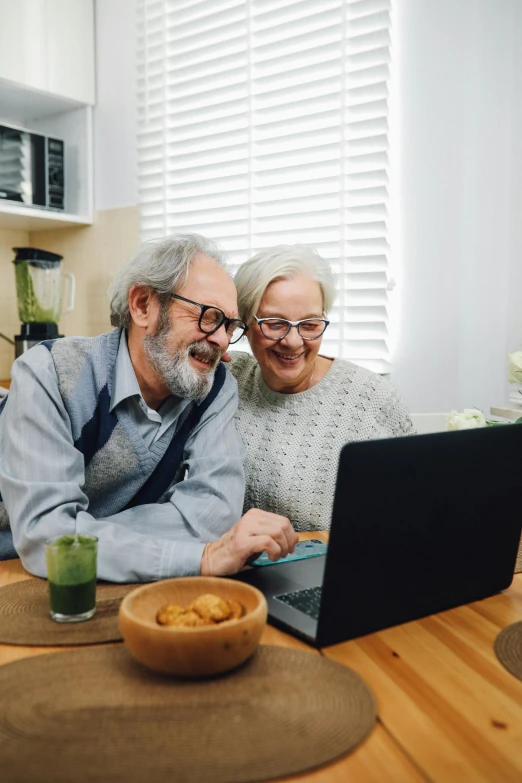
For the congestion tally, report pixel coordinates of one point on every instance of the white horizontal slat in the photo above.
(186, 12)
(299, 140)
(320, 220)
(366, 349)
(273, 28)
(180, 147)
(369, 178)
(300, 158)
(228, 213)
(354, 315)
(212, 159)
(180, 117)
(368, 76)
(366, 229)
(319, 202)
(359, 196)
(205, 97)
(180, 72)
(310, 72)
(296, 93)
(328, 34)
(200, 192)
(269, 14)
(362, 7)
(367, 212)
(367, 58)
(201, 174)
(222, 26)
(322, 53)
(366, 41)
(365, 281)
(367, 162)
(376, 20)
(206, 81)
(355, 96)
(360, 129)
(266, 121)
(368, 331)
(284, 191)
(199, 203)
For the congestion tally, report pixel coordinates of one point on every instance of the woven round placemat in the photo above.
(508, 648)
(94, 715)
(25, 618)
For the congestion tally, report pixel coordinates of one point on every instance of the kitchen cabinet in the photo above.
(48, 45)
(47, 85)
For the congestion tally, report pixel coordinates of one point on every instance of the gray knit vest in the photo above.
(120, 470)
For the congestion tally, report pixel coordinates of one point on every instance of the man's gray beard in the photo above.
(175, 369)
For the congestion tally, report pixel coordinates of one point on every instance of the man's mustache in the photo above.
(206, 351)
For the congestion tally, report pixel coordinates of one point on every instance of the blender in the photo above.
(39, 290)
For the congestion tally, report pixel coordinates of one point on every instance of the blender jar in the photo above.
(39, 281)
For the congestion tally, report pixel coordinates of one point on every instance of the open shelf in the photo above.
(33, 219)
(65, 119)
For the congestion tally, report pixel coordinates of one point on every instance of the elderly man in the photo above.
(130, 436)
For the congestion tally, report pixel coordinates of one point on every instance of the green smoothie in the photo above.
(29, 309)
(71, 572)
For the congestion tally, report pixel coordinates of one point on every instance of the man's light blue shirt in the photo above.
(126, 393)
(41, 476)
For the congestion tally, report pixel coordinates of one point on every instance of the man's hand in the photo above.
(257, 531)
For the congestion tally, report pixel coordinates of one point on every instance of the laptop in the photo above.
(420, 524)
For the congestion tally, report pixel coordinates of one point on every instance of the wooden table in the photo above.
(448, 711)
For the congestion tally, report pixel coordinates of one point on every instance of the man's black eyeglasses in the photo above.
(212, 319)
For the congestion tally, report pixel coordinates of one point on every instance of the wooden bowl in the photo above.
(191, 652)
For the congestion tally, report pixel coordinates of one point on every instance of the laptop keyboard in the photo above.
(307, 600)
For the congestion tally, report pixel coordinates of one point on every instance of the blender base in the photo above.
(33, 333)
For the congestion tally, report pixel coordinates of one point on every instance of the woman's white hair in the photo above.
(281, 262)
(161, 264)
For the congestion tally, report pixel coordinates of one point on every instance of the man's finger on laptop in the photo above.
(269, 545)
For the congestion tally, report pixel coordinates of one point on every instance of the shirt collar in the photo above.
(124, 381)
(125, 384)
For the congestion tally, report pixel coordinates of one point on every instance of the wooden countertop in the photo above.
(448, 710)
(7, 384)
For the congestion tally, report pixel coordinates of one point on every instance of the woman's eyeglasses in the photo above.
(278, 328)
(212, 318)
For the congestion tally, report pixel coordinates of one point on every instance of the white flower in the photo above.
(515, 367)
(468, 420)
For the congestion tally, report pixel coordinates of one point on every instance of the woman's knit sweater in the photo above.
(293, 441)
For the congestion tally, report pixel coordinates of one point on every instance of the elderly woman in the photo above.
(297, 408)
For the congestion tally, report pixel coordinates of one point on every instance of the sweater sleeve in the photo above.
(391, 411)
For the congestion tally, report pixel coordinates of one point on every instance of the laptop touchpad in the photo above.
(286, 577)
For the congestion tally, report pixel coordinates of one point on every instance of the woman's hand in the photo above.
(257, 531)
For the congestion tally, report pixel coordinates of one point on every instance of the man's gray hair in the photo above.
(281, 262)
(161, 264)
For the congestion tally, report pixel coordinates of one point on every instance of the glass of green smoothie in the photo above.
(71, 573)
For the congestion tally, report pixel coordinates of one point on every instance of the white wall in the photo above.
(115, 182)
(459, 122)
(460, 269)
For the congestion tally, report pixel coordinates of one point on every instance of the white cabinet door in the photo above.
(49, 45)
(70, 49)
(23, 42)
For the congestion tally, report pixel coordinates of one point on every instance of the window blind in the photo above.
(266, 121)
